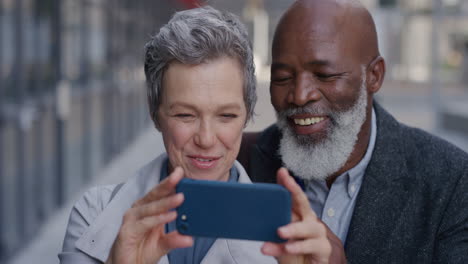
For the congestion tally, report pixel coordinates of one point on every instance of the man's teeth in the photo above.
(307, 121)
(203, 160)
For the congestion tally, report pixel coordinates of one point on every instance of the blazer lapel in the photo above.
(382, 196)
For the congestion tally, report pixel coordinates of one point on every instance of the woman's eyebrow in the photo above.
(190, 106)
(181, 104)
(230, 106)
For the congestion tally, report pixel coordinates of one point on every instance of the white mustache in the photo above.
(308, 109)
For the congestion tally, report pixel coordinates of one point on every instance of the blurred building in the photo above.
(408, 30)
(72, 96)
(425, 44)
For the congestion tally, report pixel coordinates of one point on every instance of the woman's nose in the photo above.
(205, 136)
(304, 91)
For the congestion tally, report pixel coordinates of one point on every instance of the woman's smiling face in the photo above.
(202, 115)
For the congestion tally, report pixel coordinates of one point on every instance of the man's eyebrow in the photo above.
(319, 63)
(279, 65)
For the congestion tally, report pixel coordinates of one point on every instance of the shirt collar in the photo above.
(354, 175)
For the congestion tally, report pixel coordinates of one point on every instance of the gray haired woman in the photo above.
(201, 93)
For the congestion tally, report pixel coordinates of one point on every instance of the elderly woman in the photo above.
(201, 93)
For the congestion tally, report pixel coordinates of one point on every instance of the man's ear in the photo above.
(375, 74)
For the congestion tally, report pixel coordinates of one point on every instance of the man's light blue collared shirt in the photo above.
(335, 206)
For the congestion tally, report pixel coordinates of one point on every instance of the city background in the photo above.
(73, 107)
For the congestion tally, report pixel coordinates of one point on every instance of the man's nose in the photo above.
(304, 91)
(205, 136)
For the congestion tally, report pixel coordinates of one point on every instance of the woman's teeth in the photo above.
(308, 121)
(203, 160)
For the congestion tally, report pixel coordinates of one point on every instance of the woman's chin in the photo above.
(207, 175)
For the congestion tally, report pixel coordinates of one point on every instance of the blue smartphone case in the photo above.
(233, 210)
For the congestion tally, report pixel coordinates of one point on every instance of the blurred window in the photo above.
(417, 5)
(387, 3)
(96, 44)
(27, 70)
(44, 62)
(71, 53)
(7, 47)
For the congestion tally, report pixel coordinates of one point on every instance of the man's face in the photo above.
(318, 88)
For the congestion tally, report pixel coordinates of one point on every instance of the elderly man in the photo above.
(390, 193)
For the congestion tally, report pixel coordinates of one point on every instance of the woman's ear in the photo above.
(156, 123)
(375, 75)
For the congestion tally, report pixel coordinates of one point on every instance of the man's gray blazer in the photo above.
(413, 203)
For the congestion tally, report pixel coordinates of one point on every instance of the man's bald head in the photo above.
(348, 20)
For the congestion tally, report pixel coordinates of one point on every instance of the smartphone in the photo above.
(233, 210)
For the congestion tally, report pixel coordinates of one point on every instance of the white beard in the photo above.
(319, 160)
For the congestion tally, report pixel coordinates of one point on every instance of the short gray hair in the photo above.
(193, 37)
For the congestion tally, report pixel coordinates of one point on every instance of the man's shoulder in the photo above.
(421, 150)
(433, 149)
(263, 157)
(269, 138)
(411, 137)
(264, 143)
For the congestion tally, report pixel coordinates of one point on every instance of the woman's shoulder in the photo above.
(95, 199)
(85, 211)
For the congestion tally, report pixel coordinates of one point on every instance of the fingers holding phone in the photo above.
(309, 240)
(142, 236)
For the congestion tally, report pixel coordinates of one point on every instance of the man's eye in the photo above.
(281, 79)
(326, 76)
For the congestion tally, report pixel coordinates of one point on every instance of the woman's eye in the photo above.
(183, 115)
(229, 116)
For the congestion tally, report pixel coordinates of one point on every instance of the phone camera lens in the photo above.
(183, 227)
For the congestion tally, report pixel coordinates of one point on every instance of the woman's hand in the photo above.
(142, 238)
(309, 239)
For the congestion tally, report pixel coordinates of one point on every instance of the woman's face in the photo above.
(201, 117)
